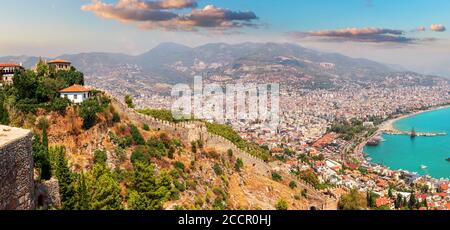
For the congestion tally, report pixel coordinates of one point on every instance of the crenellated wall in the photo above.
(193, 131)
(16, 169)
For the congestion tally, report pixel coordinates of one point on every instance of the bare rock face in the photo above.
(16, 169)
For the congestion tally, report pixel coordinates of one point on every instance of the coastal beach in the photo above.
(389, 125)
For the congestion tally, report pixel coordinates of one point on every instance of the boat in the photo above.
(423, 167)
(448, 159)
(375, 141)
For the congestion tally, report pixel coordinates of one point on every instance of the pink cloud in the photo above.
(438, 28)
(161, 14)
(373, 35)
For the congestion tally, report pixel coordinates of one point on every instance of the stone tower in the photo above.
(16, 169)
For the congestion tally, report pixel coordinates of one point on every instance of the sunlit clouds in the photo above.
(165, 15)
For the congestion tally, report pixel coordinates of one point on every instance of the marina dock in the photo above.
(418, 134)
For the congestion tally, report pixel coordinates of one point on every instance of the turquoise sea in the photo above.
(403, 152)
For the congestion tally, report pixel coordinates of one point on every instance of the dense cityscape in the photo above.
(356, 117)
(307, 117)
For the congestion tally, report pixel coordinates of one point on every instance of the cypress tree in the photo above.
(46, 170)
(412, 201)
(4, 116)
(45, 138)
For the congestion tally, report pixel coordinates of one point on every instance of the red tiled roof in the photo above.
(441, 194)
(58, 61)
(382, 183)
(9, 65)
(352, 166)
(382, 201)
(422, 196)
(277, 150)
(75, 89)
(444, 186)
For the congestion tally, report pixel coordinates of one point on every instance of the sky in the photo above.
(413, 34)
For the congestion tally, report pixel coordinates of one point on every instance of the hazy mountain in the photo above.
(174, 63)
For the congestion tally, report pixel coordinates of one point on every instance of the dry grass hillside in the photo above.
(208, 179)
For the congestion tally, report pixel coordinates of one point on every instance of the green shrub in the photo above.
(239, 164)
(140, 155)
(100, 156)
(281, 205)
(116, 117)
(181, 186)
(136, 135)
(276, 177)
(88, 111)
(179, 165)
(217, 169)
(229, 133)
(292, 185)
(230, 153)
(129, 101)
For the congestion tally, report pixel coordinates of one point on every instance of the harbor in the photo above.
(403, 143)
(414, 134)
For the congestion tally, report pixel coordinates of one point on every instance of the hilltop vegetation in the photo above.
(219, 129)
(33, 90)
(102, 160)
(229, 133)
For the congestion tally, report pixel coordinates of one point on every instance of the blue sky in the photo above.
(54, 27)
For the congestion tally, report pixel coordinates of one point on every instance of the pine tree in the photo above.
(105, 194)
(82, 195)
(149, 191)
(65, 179)
(104, 191)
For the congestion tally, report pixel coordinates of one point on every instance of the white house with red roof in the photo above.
(7, 71)
(76, 93)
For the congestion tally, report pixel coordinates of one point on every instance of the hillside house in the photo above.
(76, 93)
(60, 64)
(7, 71)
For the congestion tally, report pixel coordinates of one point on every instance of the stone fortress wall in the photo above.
(193, 131)
(16, 169)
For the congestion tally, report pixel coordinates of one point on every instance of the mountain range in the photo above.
(172, 63)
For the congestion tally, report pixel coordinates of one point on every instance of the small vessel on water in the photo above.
(448, 159)
(423, 167)
(375, 141)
